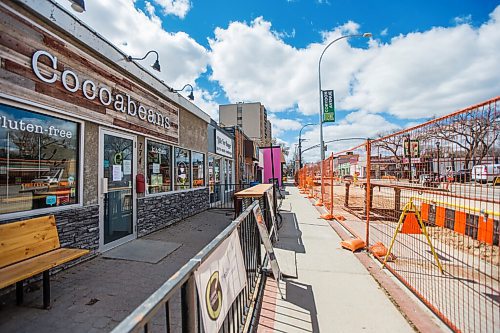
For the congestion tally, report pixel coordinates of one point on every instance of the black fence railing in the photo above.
(222, 195)
(174, 307)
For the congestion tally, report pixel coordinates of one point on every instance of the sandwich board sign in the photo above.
(264, 236)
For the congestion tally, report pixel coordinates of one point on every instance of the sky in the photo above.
(425, 58)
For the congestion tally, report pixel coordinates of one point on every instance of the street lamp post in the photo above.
(438, 171)
(300, 144)
(322, 147)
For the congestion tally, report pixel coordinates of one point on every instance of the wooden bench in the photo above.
(31, 247)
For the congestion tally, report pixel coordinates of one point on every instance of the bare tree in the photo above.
(475, 132)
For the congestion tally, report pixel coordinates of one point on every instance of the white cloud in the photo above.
(355, 125)
(178, 8)
(182, 59)
(206, 101)
(416, 75)
(463, 19)
(281, 125)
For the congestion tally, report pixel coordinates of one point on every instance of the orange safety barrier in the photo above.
(440, 216)
(460, 218)
(424, 212)
(485, 230)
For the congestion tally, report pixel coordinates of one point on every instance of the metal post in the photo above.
(188, 305)
(368, 189)
(409, 157)
(300, 152)
(331, 184)
(46, 289)
(322, 146)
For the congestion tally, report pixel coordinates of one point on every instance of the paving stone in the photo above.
(119, 285)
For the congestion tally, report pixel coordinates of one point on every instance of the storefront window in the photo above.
(198, 161)
(38, 161)
(230, 171)
(182, 169)
(211, 180)
(159, 167)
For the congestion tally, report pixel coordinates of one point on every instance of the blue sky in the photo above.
(425, 59)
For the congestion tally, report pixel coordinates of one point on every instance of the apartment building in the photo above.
(251, 117)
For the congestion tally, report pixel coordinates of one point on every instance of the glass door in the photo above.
(117, 198)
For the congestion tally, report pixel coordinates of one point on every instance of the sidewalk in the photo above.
(96, 295)
(333, 292)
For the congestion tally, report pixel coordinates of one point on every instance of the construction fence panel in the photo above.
(426, 200)
(434, 200)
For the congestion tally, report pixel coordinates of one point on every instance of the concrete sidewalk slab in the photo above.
(333, 291)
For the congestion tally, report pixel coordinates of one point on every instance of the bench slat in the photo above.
(36, 265)
(26, 239)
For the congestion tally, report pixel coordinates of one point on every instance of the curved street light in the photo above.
(156, 65)
(366, 35)
(300, 144)
(190, 96)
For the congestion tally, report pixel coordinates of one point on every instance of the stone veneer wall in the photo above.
(159, 211)
(77, 228)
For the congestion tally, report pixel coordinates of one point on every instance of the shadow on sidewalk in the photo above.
(302, 296)
(290, 236)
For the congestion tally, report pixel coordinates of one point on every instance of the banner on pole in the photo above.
(219, 279)
(328, 106)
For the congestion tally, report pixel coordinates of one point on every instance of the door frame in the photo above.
(106, 131)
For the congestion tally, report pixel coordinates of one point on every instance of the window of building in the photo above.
(159, 167)
(198, 162)
(182, 169)
(38, 161)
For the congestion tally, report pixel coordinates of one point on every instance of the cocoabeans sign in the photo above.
(93, 91)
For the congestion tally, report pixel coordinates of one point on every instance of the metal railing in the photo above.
(175, 307)
(222, 195)
(445, 173)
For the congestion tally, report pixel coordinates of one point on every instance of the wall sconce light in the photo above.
(190, 96)
(78, 5)
(156, 65)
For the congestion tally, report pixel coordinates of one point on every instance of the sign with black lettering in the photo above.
(328, 106)
(223, 144)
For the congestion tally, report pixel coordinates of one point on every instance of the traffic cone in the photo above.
(318, 203)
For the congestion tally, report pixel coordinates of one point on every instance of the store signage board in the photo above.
(328, 106)
(219, 280)
(223, 144)
(123, 102)
(266, 240)
(411, 147)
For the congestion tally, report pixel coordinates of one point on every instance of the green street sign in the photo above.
(328, 106)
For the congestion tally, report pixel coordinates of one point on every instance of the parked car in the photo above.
(431, 179)
(462, 176)
(486, 173)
